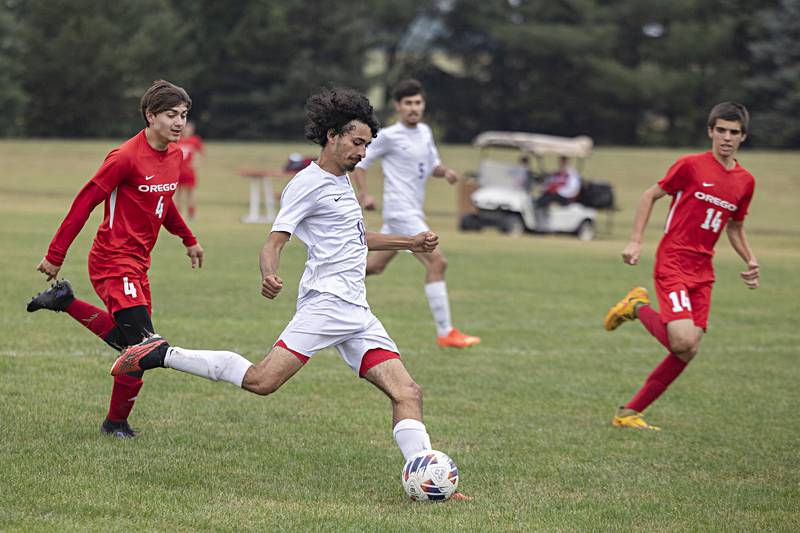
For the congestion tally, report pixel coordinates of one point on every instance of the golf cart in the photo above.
(505, 181)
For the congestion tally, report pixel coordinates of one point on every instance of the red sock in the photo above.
(123, 395)
(657, 382)
(191, 210)
(93, 318)
(652, 321)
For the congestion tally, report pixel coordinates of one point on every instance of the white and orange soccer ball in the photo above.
(430, 475)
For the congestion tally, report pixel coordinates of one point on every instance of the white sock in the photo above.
(209, 364)
(411, 437)
(440, 306)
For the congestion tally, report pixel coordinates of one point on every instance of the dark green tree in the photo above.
(12, 94)
(774, 86)
(85, 64)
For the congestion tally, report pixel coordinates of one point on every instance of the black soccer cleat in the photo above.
(56, 298)
(118, 430)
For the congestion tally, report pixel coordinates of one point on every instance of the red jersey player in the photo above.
(190, 145)
(136, 181)
(708, 191)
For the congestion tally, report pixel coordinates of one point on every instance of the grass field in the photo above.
(525, 414)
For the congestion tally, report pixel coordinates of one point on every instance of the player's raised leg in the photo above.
(60, 297)
(155, 352)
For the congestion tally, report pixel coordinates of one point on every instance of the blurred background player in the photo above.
(708, 190)
(408, 156)
(319, 206)
(136, 181)
(191, 146)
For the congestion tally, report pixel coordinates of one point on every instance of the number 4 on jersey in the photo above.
(128, 287)
(160, 207)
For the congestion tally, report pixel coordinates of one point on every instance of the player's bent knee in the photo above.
(687, 355)
(259, 384)
(439, 265)
(262, 388)
(409, 393)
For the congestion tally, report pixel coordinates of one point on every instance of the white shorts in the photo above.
(323, 320)
(407, 227)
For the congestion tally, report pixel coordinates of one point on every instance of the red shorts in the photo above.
(187, 179)
(123, 291)
(680, 299)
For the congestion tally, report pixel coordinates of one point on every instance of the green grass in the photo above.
(525, 414)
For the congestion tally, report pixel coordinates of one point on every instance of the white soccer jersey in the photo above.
(408, 156)
(322, 210)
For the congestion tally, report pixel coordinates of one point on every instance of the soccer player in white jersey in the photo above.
(320, 207)
(408, 156)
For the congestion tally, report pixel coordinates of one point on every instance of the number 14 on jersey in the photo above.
(713, 220)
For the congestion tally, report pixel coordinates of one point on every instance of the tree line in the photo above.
(628, 72)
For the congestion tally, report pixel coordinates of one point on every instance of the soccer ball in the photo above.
(430, 475)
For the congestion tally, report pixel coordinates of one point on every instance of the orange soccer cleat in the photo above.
(456, 339)
(625, 309)
(130, 360)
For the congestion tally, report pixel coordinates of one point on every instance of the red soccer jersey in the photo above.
(138, 183)
(705, 195)
(189, 147)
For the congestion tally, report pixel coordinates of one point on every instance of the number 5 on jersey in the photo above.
(128, 287)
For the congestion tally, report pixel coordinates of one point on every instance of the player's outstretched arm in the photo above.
(269, 261)
(738, 239)
(449, 174)
(87, 199)
(632, 252)
(366, 200)
(424, 242)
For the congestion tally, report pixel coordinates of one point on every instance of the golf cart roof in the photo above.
(536, 143)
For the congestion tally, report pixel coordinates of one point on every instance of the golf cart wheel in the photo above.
(512, 225)
(586, 231)
(470, 222)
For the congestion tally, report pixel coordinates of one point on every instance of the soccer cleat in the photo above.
(459, 496)
(56, 298)
(456, 339)
(118, 430)
(130, 360)
(628, 418)
(625, 309)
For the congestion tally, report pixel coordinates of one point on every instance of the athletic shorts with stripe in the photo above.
(324, 320)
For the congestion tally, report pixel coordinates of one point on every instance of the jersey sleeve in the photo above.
(112, 172)
(677, 177)
(298, 201)
(174, 223)
(87, 199)
(435, 159)
(379, 148)
(744, 204)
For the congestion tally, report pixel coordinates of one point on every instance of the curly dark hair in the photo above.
(333, 108)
